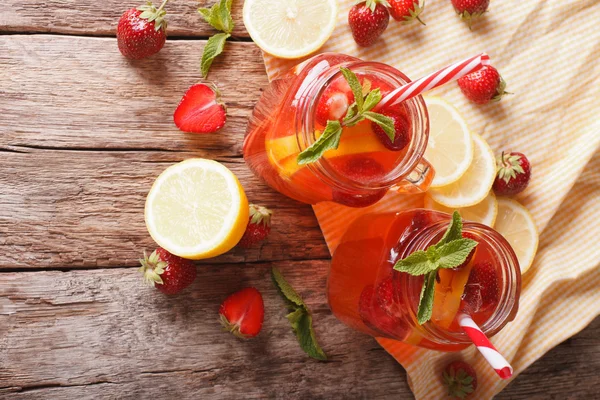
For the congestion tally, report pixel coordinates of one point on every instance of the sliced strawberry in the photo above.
(200, 111)
(387, 297)
(359, 169)
(377, 319)
(401, 129)
(333, 103)
(482, 290)
(471, 236)
(243, 312)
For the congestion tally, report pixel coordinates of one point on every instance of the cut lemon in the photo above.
(450, 146)
(290, 28)
(484, 212)
(476, 182)
(196, 209)
(517, 226)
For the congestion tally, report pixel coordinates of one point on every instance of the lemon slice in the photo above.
(450, 146)
(476, 182)
(517, 226)
(290, 28)
(196, 209)
(484, 212)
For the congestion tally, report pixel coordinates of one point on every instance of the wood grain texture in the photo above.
(90, 18)
(77, 92)
(102, 334)
(74, 209)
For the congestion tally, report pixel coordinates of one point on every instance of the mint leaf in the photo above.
(372, 99)
(355, 86)
(300, 317)
(454, 230)
(330, 139)
(305, 334)
(454, 253)
(426, 299)
(418, 263)
(214, 47)
(285, 290)
(386, 123)
(219, 16)
(352, 110)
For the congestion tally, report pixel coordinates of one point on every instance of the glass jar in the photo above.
(366, 293)
(286, 121)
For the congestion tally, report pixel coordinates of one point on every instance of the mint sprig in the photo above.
(219, 17)
(451, 251)
(299, 316)
(365, 100)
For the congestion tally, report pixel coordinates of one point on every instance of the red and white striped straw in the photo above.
(439, 78)
(485, 347)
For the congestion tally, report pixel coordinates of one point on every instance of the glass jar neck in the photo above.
(509, 282)
(307, 98)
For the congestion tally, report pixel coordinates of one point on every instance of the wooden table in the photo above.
(83, 134)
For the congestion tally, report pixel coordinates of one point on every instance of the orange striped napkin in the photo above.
(549, 54)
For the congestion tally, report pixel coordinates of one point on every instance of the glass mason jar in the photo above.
(366, 293)
(286, 121)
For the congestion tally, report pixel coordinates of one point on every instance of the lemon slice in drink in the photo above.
(450, 146)
(290, 28)
(518, 227)
(476, 182)
(484, 212)
(196, 209)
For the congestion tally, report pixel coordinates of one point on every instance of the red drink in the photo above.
(366, 293)
(292, 114)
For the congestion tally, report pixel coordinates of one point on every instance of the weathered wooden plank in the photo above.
(86, 209)
(89, 18)
(103, 334)
(78, 92)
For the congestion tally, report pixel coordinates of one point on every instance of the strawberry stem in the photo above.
(164, 3)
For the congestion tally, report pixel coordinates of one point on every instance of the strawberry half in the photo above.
(401, 129)
(482, 290)
(259, 226)
(167, 272)
(460, 378)
(333, 103)
(200, 110)
(377, 318)
(243, 312)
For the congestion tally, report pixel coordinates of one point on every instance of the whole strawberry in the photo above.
(460, 378)
(401, 130)
(142, 31)
(483, 86)
(243, 312)
(514, 173)
(407, 11)
(167, 272)
(259, 226)
(368, 20)
(470, 10)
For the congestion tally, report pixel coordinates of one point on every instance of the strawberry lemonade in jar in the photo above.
(409, 276)
(316, 133)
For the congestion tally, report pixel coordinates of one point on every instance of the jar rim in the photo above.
(304, 126)
(508, 303)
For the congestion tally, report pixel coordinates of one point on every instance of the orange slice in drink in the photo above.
(283, 152)
(448, 293)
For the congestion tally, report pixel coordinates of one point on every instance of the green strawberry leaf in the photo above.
(214, 47)
(384, 122)
(426, 299)
(356, 87)
(454, 230)
(454, 253)
(330, 139)
(285, 290)
(418, 263)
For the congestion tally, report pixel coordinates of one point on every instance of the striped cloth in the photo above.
(549, 54)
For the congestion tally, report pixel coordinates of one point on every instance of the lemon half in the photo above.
(290, 28)
(196, 209)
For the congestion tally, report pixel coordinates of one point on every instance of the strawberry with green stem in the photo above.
(167, 272)
(407, 11)
(514, 173)
(200, 110)
(142, 31)
(470, 10)
(259, 226)
(243, 313)
(460, 378)
(483, 86)
(368, 20)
